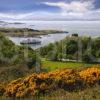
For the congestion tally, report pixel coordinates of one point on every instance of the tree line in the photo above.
(81, 49)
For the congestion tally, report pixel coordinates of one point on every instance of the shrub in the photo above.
(43, 83)
(90, 76)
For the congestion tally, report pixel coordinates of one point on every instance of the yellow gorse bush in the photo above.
(90, 75)
(42, 83)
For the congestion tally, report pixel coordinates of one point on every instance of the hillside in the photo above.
(13, 61)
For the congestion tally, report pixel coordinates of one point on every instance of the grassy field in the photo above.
(52, 65)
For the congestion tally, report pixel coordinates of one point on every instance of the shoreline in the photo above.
(27, 32)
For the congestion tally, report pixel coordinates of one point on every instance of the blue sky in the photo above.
(49, 9)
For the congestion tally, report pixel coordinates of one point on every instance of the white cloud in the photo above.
(83, 9)
(94, 14)
(26, 16)
(74, 6)
(74, 10)
(14, 16)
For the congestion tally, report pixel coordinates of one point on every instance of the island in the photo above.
(27, 32)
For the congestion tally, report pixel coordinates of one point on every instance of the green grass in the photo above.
(52, 65)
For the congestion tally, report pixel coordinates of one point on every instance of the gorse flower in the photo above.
(90, 75)
(41, 83)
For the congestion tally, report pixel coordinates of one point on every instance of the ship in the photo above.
(30, 41)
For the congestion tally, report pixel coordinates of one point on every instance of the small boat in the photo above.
(29, 41)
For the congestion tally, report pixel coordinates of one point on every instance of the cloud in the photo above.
(15, 16)
(75, 10)
(82, 9)
(74, 6)
(26, 16)
(90, 15)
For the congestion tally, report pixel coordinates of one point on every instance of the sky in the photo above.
(49, 9)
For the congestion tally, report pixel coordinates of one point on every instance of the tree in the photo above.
(52, 55)
(71, 47)
(87, 57)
